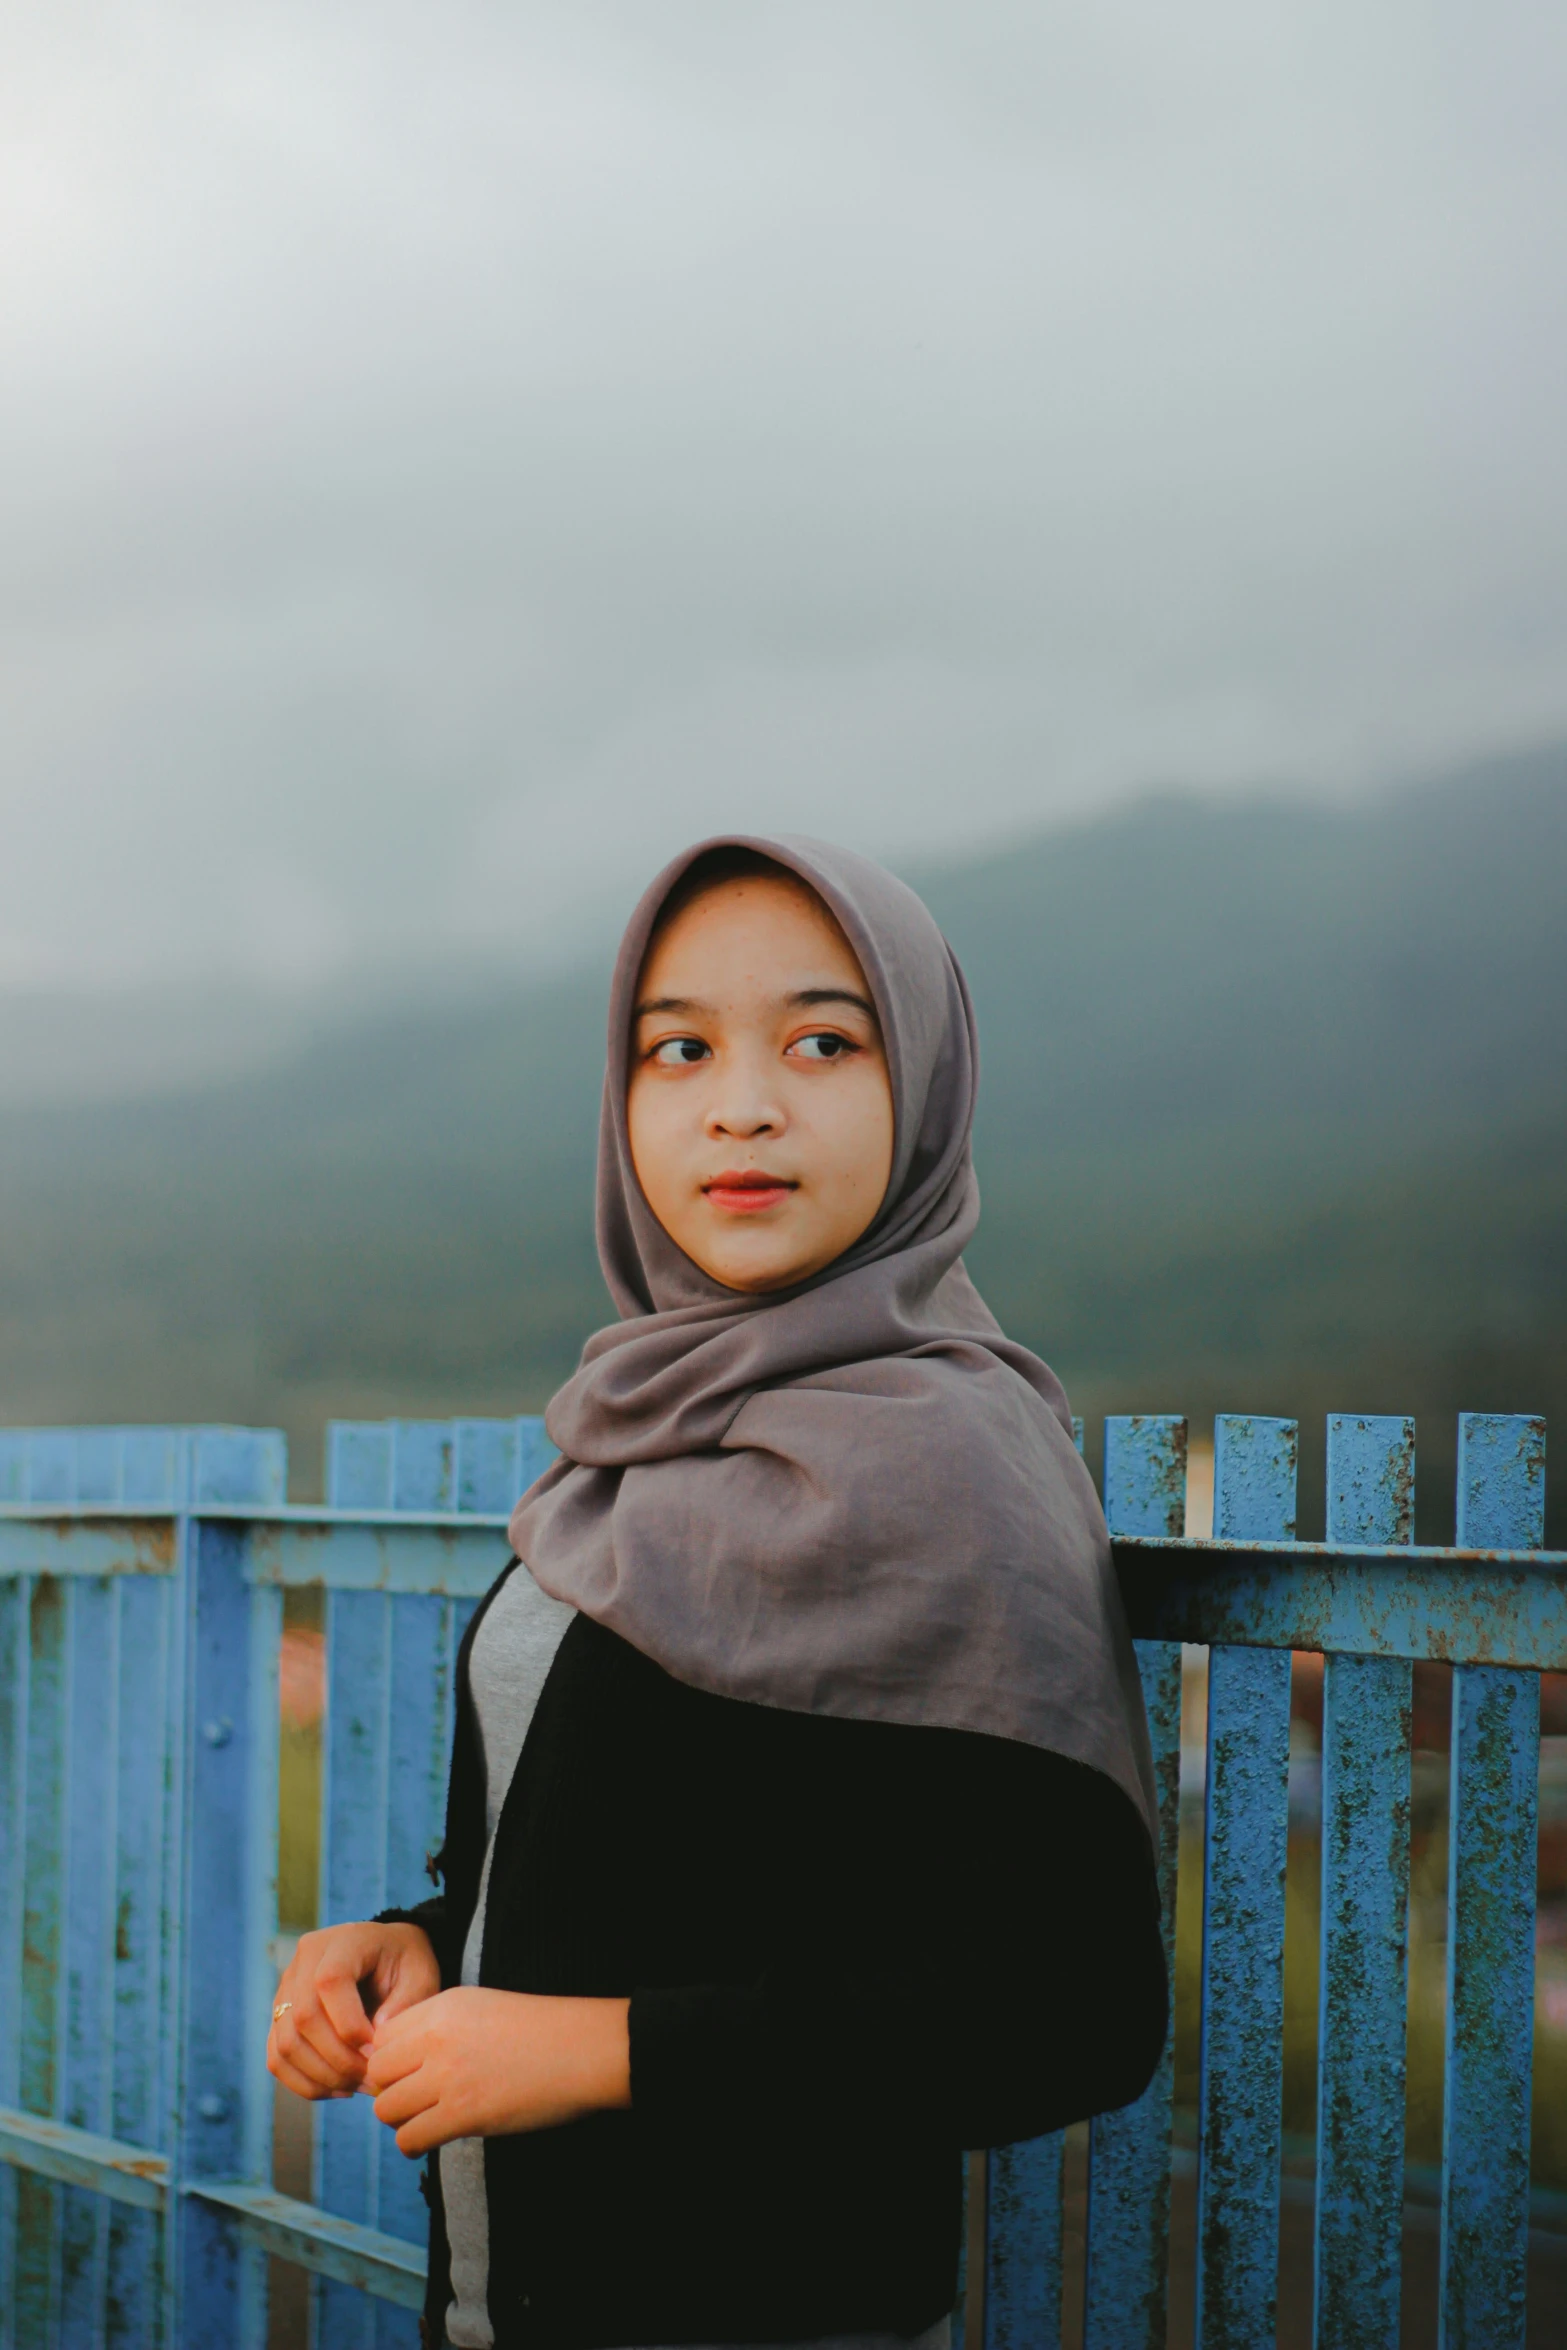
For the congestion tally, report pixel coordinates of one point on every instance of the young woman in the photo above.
(799, 1831)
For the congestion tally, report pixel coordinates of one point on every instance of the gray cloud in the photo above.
(454, 454)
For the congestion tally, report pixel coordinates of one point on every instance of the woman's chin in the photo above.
(756, 1272)
(746, 1281)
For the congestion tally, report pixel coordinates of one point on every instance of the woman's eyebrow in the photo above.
(830, 995)
(670, 1003)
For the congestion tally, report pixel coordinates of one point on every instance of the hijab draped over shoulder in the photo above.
(855, 1496)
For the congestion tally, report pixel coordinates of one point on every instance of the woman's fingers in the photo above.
(304, 2034)
(337, 1992)
(415, 2093)
(416, 2112)
(302, 2060)
(302, 2086)
(392, 2059)
(312, 2027)
(407, 1994)
(423, 2134)
(292, 2060)
(401, 2023)
(299, 2043)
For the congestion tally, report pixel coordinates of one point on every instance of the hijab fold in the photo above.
(856, 1497)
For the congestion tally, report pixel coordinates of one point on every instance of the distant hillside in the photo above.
(1274, 1115)
(1180, 968)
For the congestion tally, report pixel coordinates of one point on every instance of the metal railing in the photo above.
(142, 1575)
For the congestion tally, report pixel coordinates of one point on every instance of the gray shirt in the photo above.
(511, 1654)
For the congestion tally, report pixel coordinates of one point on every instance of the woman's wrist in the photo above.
(598, 2032)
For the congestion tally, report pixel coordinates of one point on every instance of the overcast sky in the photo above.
(453, 454)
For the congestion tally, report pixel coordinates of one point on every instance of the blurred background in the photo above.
(1108, 464)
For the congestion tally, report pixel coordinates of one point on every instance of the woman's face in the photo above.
(759, 1106)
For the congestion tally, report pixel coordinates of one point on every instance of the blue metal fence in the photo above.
(142, 1574)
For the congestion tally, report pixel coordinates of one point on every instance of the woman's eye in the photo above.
(678, 1052)
(824, 1045)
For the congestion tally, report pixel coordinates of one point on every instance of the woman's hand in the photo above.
(335, 1982)
(482, 2064)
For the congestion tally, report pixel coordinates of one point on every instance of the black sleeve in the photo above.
(967, 1945)
(435, 1917)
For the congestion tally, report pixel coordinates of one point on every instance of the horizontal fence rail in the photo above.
(142, 1578)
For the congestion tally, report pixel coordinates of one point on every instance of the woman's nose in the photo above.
(744, 1112)
(744, 1125)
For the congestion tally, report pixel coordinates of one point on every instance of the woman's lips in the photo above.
(745, 1191)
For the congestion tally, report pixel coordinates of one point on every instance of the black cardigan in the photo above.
(851, 1948)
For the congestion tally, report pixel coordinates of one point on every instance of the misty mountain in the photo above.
(1274, 1104)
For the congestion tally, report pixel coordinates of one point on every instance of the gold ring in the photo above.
(281, 2010)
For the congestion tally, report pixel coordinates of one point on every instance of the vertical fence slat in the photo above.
(354, 1800)
(43, 1846)
(42, 2206)
(97, 1464)
(90, 1829)
(15, 1640)
(359, 1464)
(432, 1462)
(359, 1476)
(1365, 1922)
(85, 2058)
(960, 2306)
(1023, 2245)
(227, 1758)
(155, 1468)
(1129, 2152)
(144, 1830)
(38, 2202)
(535, 1452)
(1491, 1877)
(150, 1465)
(238, 1465)
(13, 1464)
(1245, 1848)
(487, 1464)
(422, 1465)
(220, 2278)
(15, 1612)
(385, 1721)
(51, 1464)
(8, 2186)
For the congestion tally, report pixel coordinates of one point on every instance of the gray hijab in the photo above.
(857, 1496)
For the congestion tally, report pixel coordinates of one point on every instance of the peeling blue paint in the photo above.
(1023, 2245)
(1365, 1923)
(1240, 2099)
(1454, 1606)
(1493, 1834)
